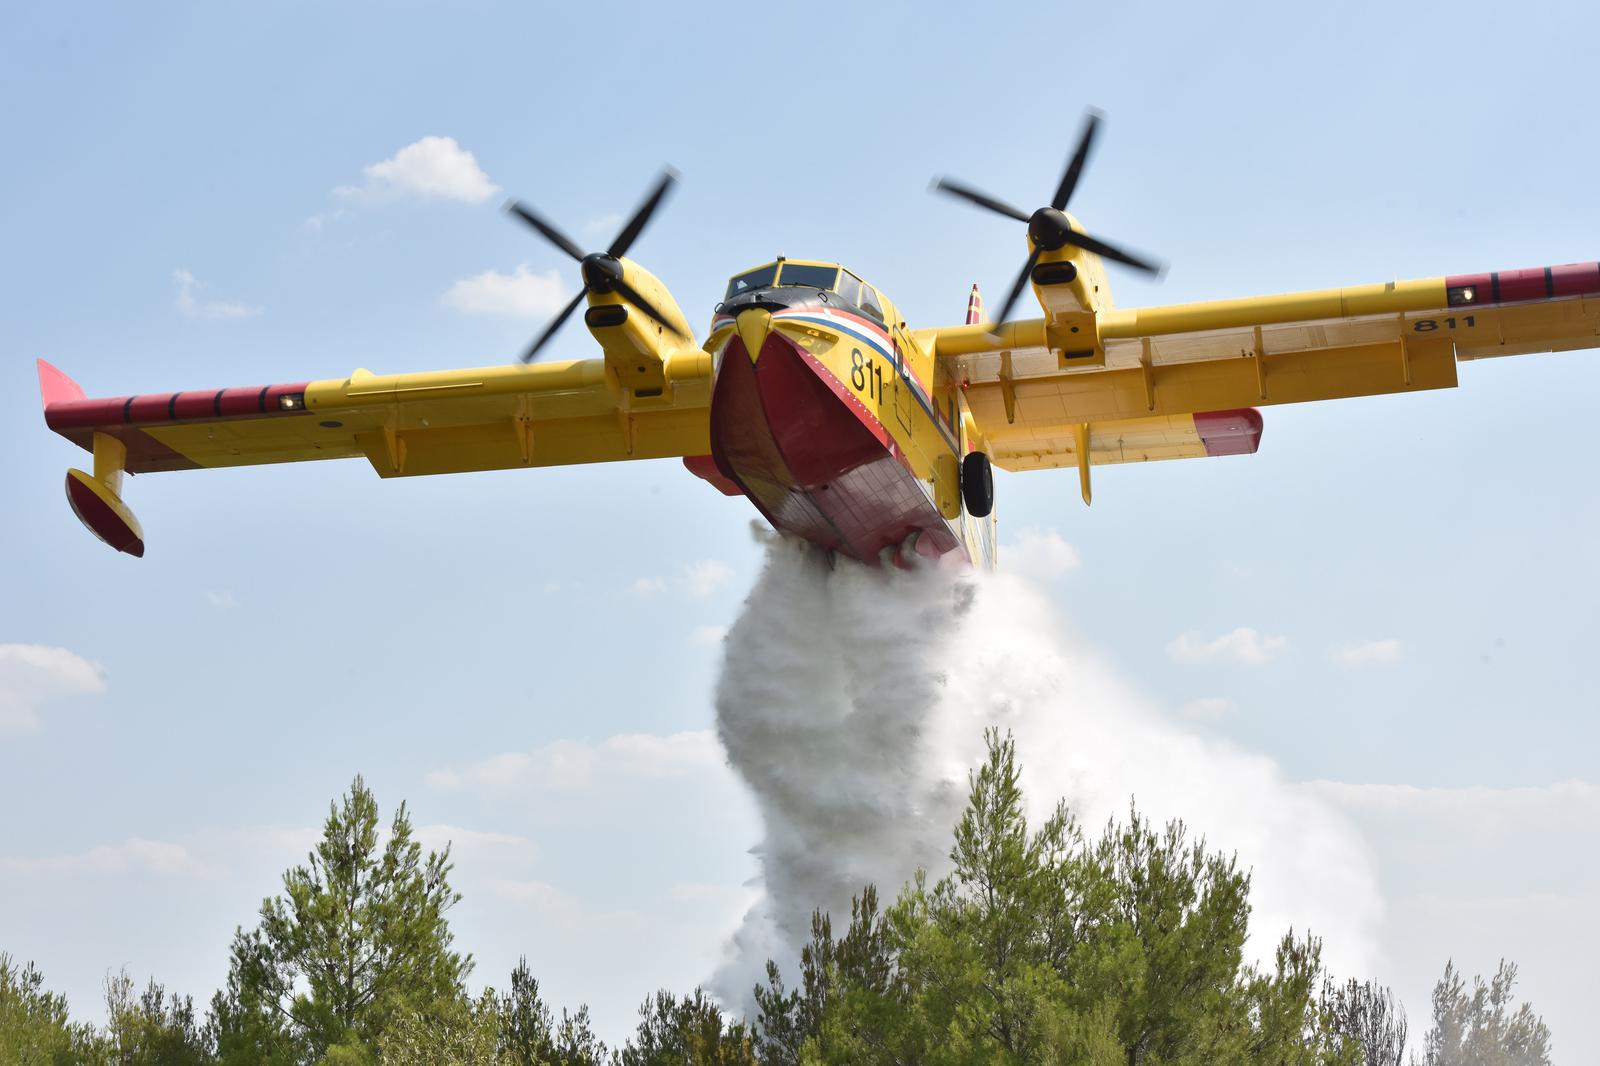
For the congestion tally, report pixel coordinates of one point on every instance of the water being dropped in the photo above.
(853, 701)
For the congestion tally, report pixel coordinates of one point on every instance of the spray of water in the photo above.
(853, 701)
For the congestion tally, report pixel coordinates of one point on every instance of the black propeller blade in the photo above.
(550, 330)
(1049, 227)
(601, 271)
(999, 207)
(1016, 289)
(1080, 156)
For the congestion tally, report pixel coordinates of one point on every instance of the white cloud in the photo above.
(649, 586)
(1365, 653)
(134, 855)
(707, 636)
(1244, 645)
(573, 765)
(604, 224)
(1038, 553)
(1208, 708)
(1490, 808)
(473, 842)
(706, 576)
(192, 306)
(434, 168)
(221, 599)
(520, 294)
(31, 674)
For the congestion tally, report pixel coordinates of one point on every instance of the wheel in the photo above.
(977, 484)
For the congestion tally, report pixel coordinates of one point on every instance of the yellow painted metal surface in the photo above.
(480, 419)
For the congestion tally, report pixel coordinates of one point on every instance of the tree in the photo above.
(1366, 1018)
(152, 1029)
(463, 1033)
(35, 1029)
(530, 1036)
(358, 939)
(687, 1031)
(1041, 947)
(1479, 1029)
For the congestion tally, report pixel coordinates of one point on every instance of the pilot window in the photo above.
(759, 278)
(869, 302)
(816, 277)
(850, 288)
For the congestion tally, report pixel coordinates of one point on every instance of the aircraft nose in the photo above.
(753, 325)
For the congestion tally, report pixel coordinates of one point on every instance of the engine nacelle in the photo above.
(636, 346)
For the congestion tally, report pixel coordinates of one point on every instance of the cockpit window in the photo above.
(816, 277)
(869, 302)
(850, 288)
(759, 278)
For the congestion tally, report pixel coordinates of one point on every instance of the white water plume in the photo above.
(853, 703)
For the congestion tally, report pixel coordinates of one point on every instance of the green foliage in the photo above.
(529, 1036)
(1480, 1029)
(152, 1029)
(687, 1031)
(1365, 1023)
(358, 940)
(35, 1029)
(464, 1033)
(1040, 947)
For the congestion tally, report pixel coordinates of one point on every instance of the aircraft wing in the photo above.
(403, 424)
(1182, 380)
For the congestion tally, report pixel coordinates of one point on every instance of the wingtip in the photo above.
(55, 386)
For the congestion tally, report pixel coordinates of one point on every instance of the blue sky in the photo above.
(1416, 574)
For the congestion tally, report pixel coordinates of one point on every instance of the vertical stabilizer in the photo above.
(974, 307)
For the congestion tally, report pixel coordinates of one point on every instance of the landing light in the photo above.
(294, 401)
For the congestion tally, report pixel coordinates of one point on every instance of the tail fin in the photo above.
(974, 307)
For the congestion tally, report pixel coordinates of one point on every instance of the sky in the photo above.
(1392, 601)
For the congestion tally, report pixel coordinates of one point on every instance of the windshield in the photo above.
(817, 277)
(759, 278)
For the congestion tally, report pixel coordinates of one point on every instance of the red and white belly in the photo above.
(815, 461)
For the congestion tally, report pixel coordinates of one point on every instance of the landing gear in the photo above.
(977, 484)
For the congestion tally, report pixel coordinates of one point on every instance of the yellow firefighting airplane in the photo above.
(841, 423)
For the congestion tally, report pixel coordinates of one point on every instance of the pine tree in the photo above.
(1481, 1029)
(35, 1028)
(357, 940)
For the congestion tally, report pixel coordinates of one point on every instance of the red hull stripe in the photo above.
(918, 391)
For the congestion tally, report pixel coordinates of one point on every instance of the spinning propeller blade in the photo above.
(1049, 228)
(601, 271)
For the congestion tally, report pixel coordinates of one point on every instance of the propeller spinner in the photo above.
(1048, 227)
(601, 271)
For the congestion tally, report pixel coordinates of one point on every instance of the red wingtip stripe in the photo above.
(1514, 286)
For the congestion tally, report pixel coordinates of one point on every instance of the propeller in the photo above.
(1049, 227)
(601, 271)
